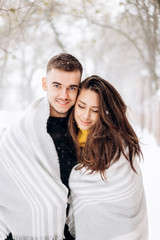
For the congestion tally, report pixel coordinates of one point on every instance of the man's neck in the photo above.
(57, 115)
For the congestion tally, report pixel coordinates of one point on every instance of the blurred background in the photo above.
(116, 39)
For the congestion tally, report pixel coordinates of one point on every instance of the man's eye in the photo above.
(73, 88)
(56, 86)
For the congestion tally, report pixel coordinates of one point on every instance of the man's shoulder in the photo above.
(36, 107)
(36, 102)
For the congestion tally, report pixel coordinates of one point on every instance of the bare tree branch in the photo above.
(57, 36)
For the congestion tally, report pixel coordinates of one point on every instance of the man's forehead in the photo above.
(64, 77)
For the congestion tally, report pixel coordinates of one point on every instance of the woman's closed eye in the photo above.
(95, 111)
(80, 106)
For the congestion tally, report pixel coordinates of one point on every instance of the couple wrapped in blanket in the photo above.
(106, 201)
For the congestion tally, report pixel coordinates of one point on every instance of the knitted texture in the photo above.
(33, 199)
(111, 209)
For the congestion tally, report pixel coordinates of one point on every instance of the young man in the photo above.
(61, 83)
(36, 157)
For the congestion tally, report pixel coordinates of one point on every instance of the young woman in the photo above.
(107, 196)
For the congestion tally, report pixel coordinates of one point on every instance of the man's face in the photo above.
(62, 88)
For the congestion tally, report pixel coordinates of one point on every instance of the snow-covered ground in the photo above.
(151, 177)
(150, 169)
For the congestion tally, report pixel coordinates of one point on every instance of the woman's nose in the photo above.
(86, 114)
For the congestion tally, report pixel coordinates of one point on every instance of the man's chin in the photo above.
(58, 113)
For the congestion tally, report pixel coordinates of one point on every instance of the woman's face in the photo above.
(86, 109)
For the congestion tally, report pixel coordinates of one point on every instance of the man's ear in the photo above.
(44, 83)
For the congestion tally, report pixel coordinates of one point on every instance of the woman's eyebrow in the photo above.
(82, 102)
(85, 104)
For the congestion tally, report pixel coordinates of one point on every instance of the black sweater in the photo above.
(58, 130)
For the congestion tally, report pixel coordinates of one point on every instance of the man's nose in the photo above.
(64, 93)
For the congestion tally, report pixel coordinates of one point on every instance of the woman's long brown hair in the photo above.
(111, 136)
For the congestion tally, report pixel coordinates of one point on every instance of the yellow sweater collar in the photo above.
(82, 136)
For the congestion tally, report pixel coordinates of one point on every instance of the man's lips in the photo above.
(62, 103)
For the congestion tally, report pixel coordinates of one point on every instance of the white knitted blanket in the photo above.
(114, 209)
(32, 197)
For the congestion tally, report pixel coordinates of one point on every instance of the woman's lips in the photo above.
(84, 123)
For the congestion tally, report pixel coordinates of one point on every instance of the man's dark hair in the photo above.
(64, 62)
